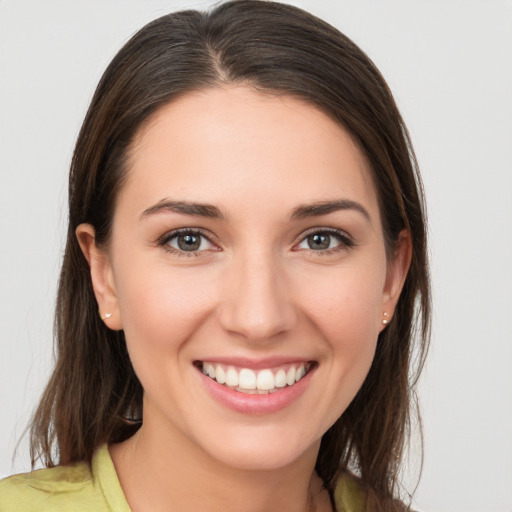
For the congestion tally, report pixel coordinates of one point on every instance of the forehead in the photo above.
(220, 143)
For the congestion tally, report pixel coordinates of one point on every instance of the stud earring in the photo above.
(385, 320)
(106, 316)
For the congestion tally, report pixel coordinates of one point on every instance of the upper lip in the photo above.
(255, 364)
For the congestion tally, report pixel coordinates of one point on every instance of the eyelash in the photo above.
(168, 237)
(344, 241)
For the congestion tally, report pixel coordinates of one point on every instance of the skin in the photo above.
(254, 289)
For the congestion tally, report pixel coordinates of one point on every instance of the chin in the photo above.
(263, 451)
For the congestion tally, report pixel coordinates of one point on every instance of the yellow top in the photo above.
(66, 488)
(77, 489)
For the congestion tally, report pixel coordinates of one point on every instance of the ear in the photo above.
(101, 276)
(396, 274)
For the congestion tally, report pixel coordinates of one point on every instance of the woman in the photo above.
(245, 250)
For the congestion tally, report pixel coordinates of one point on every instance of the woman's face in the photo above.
(248, 271)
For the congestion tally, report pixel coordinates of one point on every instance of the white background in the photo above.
(449, 64)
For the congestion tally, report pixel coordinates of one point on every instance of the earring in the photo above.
(106, 316)
(386, 319)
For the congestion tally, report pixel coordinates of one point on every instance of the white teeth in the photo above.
(232, 378)
(249, 381)
(280, 379)
(248, 391)
(265, 380)
(290, 376)
(209, 370)
(220, 374)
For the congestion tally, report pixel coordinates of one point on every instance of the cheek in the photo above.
(346, 312)
(346, 304)
(161, 310)
(350, 329)
(160, 307)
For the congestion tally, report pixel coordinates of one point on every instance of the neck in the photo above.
(163, 473)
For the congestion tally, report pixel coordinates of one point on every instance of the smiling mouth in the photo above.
(262, 382)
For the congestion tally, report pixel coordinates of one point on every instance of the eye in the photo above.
(325, 240)
(186, 241)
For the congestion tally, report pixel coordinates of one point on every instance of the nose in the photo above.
(257, 302)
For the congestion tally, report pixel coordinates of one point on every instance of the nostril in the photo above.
(258, 320)
(257, 327)
(255, 301)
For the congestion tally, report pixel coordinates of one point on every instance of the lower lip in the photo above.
(256, 404)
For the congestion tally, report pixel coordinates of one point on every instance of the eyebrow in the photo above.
(300, 212)
(326, 207)
(184, 207)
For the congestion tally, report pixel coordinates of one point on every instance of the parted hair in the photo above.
(93, 395)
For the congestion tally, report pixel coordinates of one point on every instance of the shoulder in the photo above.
(348, 494)
(58, 489)
(44, 489)
(351, 495)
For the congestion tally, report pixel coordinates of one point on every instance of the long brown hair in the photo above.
(94, 396)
